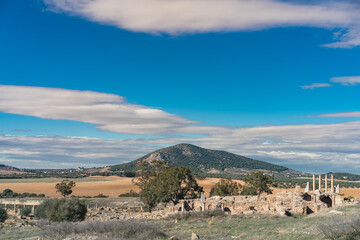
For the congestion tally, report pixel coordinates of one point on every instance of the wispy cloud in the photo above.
(316, 85)
(201, 16)
(346, 81)
(341, 115)
(332, 147)
(108, 111)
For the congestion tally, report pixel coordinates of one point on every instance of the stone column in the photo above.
(33, 209)
(332, 183)
(307, 189)
(319, 182)
(314, 178)
(326, 183)
(183, 206)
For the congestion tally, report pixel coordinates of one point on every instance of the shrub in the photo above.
(25, 211)
(58, 210)
(341, 228)
(248, 191)
(101, 196)
(129, 174)
(119, 229)
(132, 193)
(3, 215)
(225, 187)
(8, 193)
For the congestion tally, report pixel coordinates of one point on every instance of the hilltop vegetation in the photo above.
(201, 160)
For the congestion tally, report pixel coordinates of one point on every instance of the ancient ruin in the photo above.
(288, 203)
(300, 201)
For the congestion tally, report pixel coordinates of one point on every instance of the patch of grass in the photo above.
(12, 233)
(341, 227)
(245, 227)
(197, 215)
(129, 229)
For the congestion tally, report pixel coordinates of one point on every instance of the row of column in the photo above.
(15, 209)
(326, 183)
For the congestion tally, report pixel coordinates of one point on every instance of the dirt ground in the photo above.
(113, 186)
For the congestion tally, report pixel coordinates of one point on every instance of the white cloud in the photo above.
(201, 16)
(341, 115)
(312, 147)
(316, 85)
(303, 146)
(346, 81)
(108, 111)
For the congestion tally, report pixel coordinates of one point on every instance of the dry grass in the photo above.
(110, 186)
(129, 229)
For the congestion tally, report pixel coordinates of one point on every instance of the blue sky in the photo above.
(260, 85)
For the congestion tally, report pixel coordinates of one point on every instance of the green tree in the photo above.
(3, 215)
(25, 211)
(146, 182)
(225, 187)
(160, 183)
(260, 182)
(65, 187)
(248, 190)
(176, 183)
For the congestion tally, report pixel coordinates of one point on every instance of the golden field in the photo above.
(111, 186)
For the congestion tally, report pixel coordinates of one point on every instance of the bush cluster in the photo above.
(126, 229)
(132, 193)
(8, 193)
(58, 210)
(3, 215)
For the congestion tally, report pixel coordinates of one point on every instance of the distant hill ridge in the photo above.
(5, 169)
(202, 160)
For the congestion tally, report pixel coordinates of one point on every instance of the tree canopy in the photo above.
(260, 182)
(160, 183)
(225, 187)
(65, 187)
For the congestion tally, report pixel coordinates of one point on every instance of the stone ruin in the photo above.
(300, 201)
(288, 203)
(284, 203)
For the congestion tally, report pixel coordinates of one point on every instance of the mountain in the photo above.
(4, 169)
(202, 160)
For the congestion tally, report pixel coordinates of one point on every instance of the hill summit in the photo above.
(202, 160)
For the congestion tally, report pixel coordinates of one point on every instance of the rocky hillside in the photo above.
(201, 160)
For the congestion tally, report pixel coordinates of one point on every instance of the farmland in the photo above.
(111, 186)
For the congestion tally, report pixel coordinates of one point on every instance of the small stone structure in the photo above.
(14, 205)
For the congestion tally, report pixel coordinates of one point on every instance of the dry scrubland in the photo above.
(221, 227)
(111, 186)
